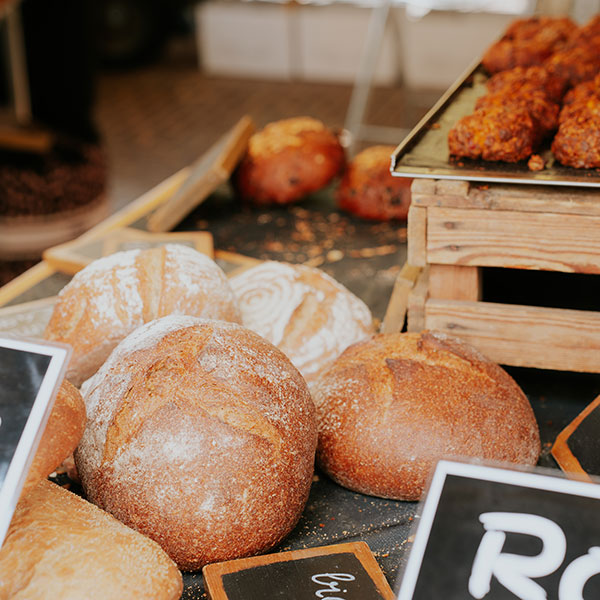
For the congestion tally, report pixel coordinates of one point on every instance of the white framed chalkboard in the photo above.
(504, 534)
(30, 373)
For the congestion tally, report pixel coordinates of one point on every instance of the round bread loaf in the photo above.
(202, 436)
(114, 295)
(60, 546)
(287, 160)
(368, 189)
(303, 311)
(391, 407)
(61, 435)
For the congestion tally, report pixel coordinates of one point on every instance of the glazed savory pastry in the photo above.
(369, 190)
(506, 133)
(528, 42)
(287, 160)
(513, 80)
(534, 100)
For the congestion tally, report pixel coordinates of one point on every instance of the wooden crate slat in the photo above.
(455, 282)
(527, 336)
(417, 236)
(524, 198)
(555, 242)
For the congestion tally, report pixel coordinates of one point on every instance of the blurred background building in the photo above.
(153, 83)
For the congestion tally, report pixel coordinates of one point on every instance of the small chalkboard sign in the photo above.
(342, 572)
(577, 447)
(496, 533)
(30, 373)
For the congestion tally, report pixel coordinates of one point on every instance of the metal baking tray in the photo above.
(424, 152)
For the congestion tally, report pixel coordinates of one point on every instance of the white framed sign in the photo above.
(30, 374)
(496, 533)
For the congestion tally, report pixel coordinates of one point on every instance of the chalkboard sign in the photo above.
(503, 534)
(343, 571)
(577, 447)
(29, 376)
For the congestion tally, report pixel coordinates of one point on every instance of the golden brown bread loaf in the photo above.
(389, 408)
(202, 436)
(60, 546)
(303, 311)
(114, 295)
(287, 160)
(61, 435)
(369, 190)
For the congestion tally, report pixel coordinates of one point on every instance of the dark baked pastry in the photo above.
(391, 407)
(577, 143)
(368, 189)
(533, 99)
(502, 132)
(513, 80)
(287, 160)
(528, 42)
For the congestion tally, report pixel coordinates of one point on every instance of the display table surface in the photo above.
(366, 257)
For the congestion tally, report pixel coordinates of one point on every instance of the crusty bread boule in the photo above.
(113, 295)
(369, 190)
(303, 311)
(287, 160)
(62, 434)
(59, 546)
(390, 407)
(202, 436)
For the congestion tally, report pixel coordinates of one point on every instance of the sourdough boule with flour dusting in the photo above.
(303, 311)
(202, 436)
(390, 408)
(112, 296)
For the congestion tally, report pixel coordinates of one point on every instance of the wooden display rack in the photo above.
(456, 229)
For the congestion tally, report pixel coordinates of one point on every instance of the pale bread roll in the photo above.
(391, 407)
(116, 294)
(62, 434)
(202, 436)
(60, 546)
(303, 311)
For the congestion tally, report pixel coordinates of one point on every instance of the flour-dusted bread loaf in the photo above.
(369, 190)
(201, 435)
(287, 160)
(391, 407)
(61, 435)
(59, 546)
(303, 311)
(113, 295)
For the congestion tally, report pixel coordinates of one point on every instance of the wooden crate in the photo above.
(456, 229)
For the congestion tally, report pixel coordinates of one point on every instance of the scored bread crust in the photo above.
(307, 314)
(113, 295)
(200, 435)
(390, 407)
(60, 546)
(62, 434)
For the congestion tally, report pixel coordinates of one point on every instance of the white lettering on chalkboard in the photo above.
(331, 585)
(513, 571)
(576, 575)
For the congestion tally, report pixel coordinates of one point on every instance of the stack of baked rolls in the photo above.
(533, 64)
(200, 437)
